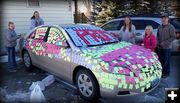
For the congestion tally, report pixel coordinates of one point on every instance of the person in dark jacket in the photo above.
(165, 36)
(11, 42)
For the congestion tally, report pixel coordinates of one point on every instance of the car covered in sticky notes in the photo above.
(92, 59)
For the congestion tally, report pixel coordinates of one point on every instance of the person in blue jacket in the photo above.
(11, 42)
(36, 20)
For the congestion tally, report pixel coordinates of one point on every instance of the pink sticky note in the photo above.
(119, 80)
(121, 71)
(128, 79)
(126, 71)
(133, 81)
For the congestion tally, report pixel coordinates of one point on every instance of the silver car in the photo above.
(92, 59)
(140, 23)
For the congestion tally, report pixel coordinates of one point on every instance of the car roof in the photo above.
(64, 26)
(75, 25)
(146, 16)
(80, 26)
(139, 17)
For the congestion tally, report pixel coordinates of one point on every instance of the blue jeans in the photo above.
(164, 57)
(11, 58)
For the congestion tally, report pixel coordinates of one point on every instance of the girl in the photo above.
(36, 20)
(127, 31)
(149, 41)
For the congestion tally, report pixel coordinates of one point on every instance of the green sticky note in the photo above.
(95, 61)
(131, 74)
(111, 87)
(148, 85)
(114, 61)
(139, 65)
(119, 76)
(116, 69)
(127, 62)
(123, 81)
(134, 67)
(141, 83)
(120, 85)
(142, 89)
(130, 86)
(137, 86)
(125, 86)
(103, 85)
(137, 80)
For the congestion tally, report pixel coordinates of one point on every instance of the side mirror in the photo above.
(138, 34)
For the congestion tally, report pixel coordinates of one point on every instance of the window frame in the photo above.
(39, 4)
(145, 23)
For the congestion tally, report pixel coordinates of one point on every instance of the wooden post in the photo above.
(76, 11)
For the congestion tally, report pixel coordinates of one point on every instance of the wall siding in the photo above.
(52, 11)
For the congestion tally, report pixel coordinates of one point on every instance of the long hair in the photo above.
(130, 24)
(33, 17)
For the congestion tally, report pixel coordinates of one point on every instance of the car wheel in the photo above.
(87, 85)
(27, 60)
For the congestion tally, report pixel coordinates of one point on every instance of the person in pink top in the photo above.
(149, 40)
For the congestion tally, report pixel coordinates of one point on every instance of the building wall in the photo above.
(18, 11)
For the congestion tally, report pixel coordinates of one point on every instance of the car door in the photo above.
(35, 46)
(57, 58)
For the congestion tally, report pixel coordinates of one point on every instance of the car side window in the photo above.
(39, 33)
(114, 25)
(121, 24)
(56, 37)
(152, 23)
(141, 24)
(32, 35)
(175, 22)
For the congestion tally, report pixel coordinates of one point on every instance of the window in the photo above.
(40, 33)
(32, 35)
(33, 3)
(114, 25)
(121, 24)
(176, 23)
(141, 24)
(152, 23)
(56, 37)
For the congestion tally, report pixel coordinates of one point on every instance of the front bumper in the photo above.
(119, 92)
(114, 85)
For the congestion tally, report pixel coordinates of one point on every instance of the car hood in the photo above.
(122, 57)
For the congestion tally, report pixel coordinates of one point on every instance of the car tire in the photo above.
(87, 85)
(27, 60)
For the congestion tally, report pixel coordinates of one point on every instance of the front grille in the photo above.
(123, 93)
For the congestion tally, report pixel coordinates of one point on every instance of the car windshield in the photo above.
(89, 36)
(176, 23)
